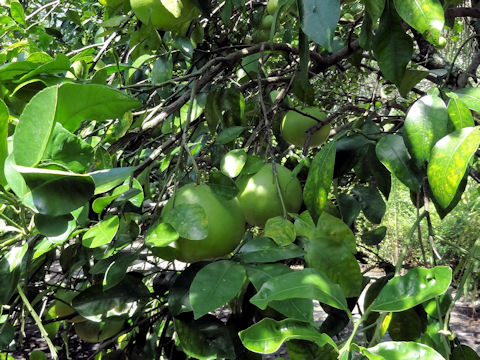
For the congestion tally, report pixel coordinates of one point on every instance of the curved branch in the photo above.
(213, 67)
(462, 12)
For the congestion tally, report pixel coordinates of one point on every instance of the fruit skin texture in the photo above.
(95, 332)
(259, 198)
(272, 6)
(226, 224)
(168, 15)
(294, 127)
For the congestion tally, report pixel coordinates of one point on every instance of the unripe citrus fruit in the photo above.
(111, 3)
(272, 6)
(226, 224)
(95, 332)
(267, 22)
(295, 125)
(168, 15)
(259, 198)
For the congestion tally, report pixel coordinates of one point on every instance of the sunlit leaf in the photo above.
(102, 233)
(398, 350)
(425, 16)
(425, 123)
(448, 163)
(268, 335)
(306, 284)
(415, 287)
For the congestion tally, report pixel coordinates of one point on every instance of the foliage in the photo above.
(111, 111)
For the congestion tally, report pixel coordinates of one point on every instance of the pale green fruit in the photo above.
(259, 198)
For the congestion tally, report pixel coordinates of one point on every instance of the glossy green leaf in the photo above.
(265, 250)
(107, 179)
(160, 234)
(268, 335)
(17, 182)
(425, 123)
(298, 309)
(393, 153)
(233, 161)
(206, 338)
(374, 8)
(118, 269)
(349, 208)
(81, 102)
(372, 204)
(374, 237)
(329, 248)
(410, 79)
(280, 230)
(415, 287)
(319, 179)
(69, 150)
(52, 226)
(95, 303)
(448, 164)
(162, 69)
(11, 70)
(36, 122)
(425, 16)
(464, 352)
(189, 220)
(10, 271)
(459, 113)
(102, 202)
(4, 115)
(197, 109)
(406, 325)
(213, 109)
(380, 174)
(305, 284)
(214, 285)
(319, 20)
(17, 13)
(129, 192)
(222, 185)
(7, 333)
(470, 97)
(60, 64)
(55, 192)
(399, 350)
(56, 238)
(102, 233)
(38, 355)
(178, 296)
(392, 48)
(229, 134)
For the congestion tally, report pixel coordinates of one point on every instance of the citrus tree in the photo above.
(164, 164)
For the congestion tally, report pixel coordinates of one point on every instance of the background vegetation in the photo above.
(111, 112)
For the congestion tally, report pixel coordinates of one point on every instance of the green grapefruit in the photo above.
(95, 332)
(168, 15)
(295, 125)
(259, 198)
(226, 224)
(272, 6)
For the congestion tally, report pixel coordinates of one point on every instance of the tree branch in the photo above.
(462, 12)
